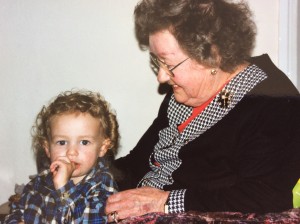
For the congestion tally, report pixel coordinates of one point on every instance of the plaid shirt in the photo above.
(81, 203)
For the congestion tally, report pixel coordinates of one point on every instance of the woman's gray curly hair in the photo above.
(216, 33)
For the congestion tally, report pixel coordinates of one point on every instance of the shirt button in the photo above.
(65, 196)
(174, 140)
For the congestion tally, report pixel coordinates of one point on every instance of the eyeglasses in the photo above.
(160, 64)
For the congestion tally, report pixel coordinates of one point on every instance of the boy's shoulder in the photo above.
(40, 181)
(102, 177)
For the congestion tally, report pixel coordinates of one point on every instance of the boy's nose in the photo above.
(72, 151)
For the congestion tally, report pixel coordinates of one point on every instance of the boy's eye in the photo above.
(62, 142)
(84, 142)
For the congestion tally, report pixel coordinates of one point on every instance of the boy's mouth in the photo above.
(77, 165)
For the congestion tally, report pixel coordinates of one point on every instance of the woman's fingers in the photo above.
(136, 202)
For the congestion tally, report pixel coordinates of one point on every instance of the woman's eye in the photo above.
(85, 142)
(169, 67)
(62, 142)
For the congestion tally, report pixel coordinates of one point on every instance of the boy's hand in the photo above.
(62, 169)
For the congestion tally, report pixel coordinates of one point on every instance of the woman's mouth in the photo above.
(175, 86)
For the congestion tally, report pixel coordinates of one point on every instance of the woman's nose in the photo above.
(162, 75)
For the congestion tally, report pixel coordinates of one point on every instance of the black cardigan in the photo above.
(246, 162)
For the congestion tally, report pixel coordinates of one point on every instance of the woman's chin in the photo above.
(180, 98)
(187, 101)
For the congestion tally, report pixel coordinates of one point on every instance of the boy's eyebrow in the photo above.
(58, 136)
(87, 136)
(80, 136)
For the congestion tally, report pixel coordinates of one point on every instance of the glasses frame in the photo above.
(160, 64)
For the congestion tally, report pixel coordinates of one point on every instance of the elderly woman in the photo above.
(225, 138)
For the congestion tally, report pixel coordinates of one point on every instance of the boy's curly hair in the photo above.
(71, 102)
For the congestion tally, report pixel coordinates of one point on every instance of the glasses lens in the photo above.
(154, 59)
(159, 64)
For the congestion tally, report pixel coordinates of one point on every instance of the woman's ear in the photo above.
(105, 146)
(46, 148)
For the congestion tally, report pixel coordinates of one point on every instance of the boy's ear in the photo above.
(46, 148)
(105, 146)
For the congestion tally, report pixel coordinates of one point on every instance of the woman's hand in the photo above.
(62, 170)
(136, 202)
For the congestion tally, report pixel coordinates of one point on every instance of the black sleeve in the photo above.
(264, 171)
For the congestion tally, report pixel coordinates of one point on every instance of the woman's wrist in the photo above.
(175, 201)
(166, 205)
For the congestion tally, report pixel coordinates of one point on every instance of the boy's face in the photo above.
(76, 138)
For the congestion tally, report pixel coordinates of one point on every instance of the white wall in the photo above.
(288, 33)
(50, 46)
(266, 17)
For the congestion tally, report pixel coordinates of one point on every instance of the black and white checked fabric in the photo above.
(176, 201)
(171, 141)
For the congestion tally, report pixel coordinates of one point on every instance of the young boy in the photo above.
(78, 132)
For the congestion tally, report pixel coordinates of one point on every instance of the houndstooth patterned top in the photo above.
(165, 160)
